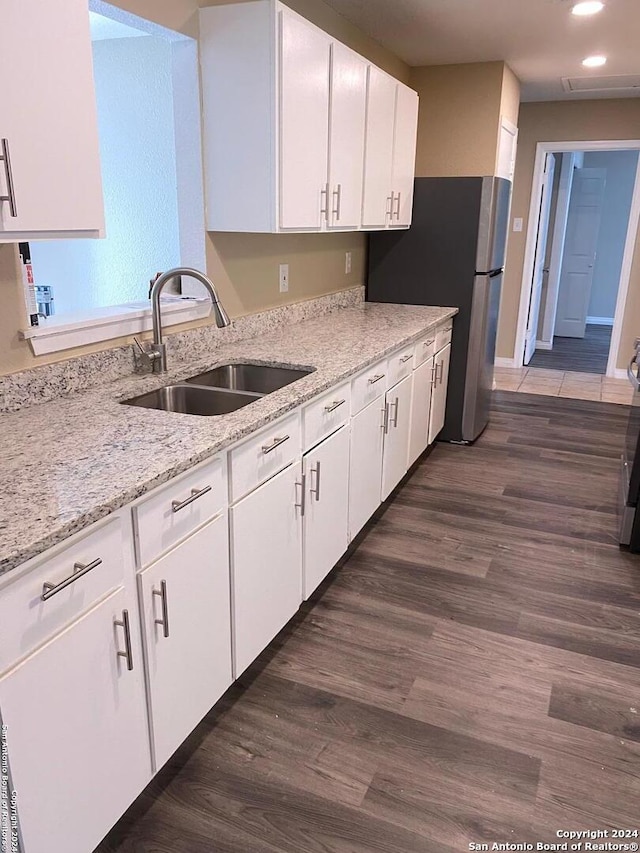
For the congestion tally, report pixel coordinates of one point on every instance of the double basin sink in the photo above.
(219, 391)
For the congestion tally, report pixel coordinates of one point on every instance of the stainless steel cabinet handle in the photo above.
(376, 378)
(176, 506)
(434, 375)
(385, 419)
(303, 495)
(427, 343)
(394, 422)
(337, 194)
(315, 469)
(79, 569)
(398, 206)
(335, 405)
(406, 358)
(11, 194)
(124, 623)
(324, 206)
(162, 593)
(389, 211)
(267, 448)
(441, 367)
(633, 376)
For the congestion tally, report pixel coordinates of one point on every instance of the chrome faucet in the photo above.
(156, 355)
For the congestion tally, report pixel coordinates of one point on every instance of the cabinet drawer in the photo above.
(443, 336)
(368, 386)
(264, 455)
(400, 364)
(324, 415)
(26, 621)
(173, 511)
(424, 349)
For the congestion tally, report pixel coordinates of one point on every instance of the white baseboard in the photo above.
(548, 345)
(506, 362)
(618, 373)
(600, 321)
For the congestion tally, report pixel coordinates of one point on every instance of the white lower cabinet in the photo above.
(365, 464)
(186, 610)
(325, 528)
(76, 730)
(439, 393)
(396, 435)
(422, 382)
(266, 547)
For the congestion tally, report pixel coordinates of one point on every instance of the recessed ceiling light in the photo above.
(588, 7)
(594, 61)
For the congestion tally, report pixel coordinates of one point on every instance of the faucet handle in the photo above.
(150, 356)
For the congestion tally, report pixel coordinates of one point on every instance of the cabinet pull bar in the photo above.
(267, 448)
(441, 366)
(394, 422)
(162, 593)
(398, 206)
(124, 623)
(434, 375)
(176, 506)
(303, 499)
(405, 358)
(337, 194)
(385, 419)
(389, 211)
(324, 208)
(315, 469)
(11, 195)
(335, 405)
(427, 343)
(79, 569)
(376, 378)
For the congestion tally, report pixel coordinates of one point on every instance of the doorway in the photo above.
(583, 221)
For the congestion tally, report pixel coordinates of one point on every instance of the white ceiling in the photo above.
(106, 28)
(540, 39)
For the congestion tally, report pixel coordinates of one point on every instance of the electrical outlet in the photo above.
(284, 278)
(517, 223)
(347, 263)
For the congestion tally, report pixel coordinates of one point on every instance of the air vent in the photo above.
(615, 83)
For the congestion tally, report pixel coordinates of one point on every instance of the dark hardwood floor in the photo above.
(471, 672)
(580, 355)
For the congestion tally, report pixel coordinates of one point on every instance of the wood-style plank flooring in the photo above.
(471, 672)
(581, 355)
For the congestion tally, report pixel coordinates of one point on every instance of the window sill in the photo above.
(103, 324)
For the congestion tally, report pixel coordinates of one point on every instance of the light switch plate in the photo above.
(517, 223)
(347, 263)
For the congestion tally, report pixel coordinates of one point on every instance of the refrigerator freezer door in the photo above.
(494, 224)
(481, 355)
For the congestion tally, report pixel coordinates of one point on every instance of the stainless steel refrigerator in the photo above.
(452, 255)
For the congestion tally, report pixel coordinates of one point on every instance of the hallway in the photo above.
(579, 355)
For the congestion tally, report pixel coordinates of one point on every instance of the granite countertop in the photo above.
(72, 461)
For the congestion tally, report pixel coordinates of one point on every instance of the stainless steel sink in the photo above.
(257, 378)
(192, 400)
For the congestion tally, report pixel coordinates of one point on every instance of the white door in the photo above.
(346, 142)
(48, 119)
(396, 438)
(186, 609)
(538, 266)
(404, 154)
(326, 512)
(266, 535)
(365, 464)
(422, 379)
(304, 123)
(439, 392)
(581, 240)
(77, 731)
(381, 98)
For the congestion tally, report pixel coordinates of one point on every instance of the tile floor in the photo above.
(560, 383)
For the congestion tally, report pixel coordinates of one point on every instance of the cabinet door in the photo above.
(396, 439)
(77, 732)
(378, 158)
(187, 624)
(439, 394)
(404, 154)
(365, 465)
(326, 511)
(346, 136)
(266, 535)
(48, 117)
(304, 123)
(420, 406)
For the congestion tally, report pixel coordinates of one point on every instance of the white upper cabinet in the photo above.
(50, 181)
(286, 126)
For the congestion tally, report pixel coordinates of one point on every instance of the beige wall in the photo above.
(244, 266)
(460, 116)
(562, 121)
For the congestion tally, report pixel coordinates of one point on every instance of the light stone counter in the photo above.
(71, 461)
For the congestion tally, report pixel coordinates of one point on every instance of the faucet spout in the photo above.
(220, 315)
